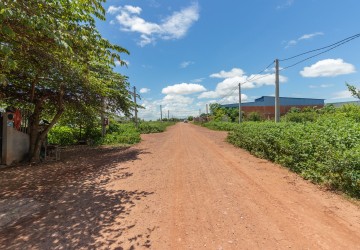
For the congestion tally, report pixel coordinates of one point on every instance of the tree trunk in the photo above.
(38, 137)
(34, 121)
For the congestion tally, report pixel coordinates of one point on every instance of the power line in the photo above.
(253, 78)
(334, 45)
(292, 65)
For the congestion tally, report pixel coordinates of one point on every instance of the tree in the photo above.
(354, 91)
(53, 58)
(214, 107)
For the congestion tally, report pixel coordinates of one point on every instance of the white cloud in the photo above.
(203, 104)
(132, 9)
(345, 94)
(174, 26)
(321, 86)
(303, 37)
(287, 4)
(209, 94)
(228, 88)
(227, 74)
(308, 36)
(113, 9)
(328, 68)
(183, 89)
(144, 90)
(179, 107)
(291, 43)
(145, 40)
(134, 23)
(186, 64)
(177, 100)
(198, 80)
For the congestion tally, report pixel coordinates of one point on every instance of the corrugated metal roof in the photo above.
(285, 101)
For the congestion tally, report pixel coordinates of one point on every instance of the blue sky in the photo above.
(185, 54)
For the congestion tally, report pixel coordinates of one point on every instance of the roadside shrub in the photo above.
(225, 126)
(254, 116)
(300, 117)
(62, 135)
(153, 127)
(326, 151)
(121, 134)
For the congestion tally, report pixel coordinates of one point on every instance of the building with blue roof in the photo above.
(265, 105)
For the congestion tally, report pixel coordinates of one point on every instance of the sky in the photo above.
(185, 54)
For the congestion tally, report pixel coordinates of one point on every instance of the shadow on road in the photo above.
(64, 205)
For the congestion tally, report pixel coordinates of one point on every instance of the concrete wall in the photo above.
(15, 144)
(269, 112)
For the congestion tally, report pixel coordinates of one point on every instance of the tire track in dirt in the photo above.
(207, 194)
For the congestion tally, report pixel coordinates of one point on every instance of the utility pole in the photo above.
(161, 113)
(277, 99)
(136, 120)
(168, 115)
(239, 103)
(199, 112)
(207, 109)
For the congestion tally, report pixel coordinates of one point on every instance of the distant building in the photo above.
(265, 105)
(339, 104)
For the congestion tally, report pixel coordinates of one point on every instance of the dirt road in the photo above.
(182, 189)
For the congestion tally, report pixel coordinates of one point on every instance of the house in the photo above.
(265, 105)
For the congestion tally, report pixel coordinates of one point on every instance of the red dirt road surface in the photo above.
(185, 188)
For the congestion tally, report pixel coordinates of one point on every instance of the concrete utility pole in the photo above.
(207, 109)
(277, 99)
(239, 103)
(136, 119)
(199, 112)
(161, 113)
(168, 114)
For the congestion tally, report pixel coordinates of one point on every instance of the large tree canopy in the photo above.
(53, 58)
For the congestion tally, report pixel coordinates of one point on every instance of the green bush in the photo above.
(121, 134)
(62, 135)
(254, 116)
(153, 127)
(300, 117)
(326, 151)
(225, 126)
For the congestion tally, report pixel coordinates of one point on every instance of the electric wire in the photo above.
(346, 40)
(339, 44)
(253, 78)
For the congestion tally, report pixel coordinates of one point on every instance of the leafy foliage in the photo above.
(153, 127)
(325, 151)
(54, 59)
(354, 91)
(254, 116)
(62, 135)
(122, 134)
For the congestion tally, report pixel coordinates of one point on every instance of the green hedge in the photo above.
(116, 133)
(121, 134)
(62, 135)
(153, 127)
(326, 151)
